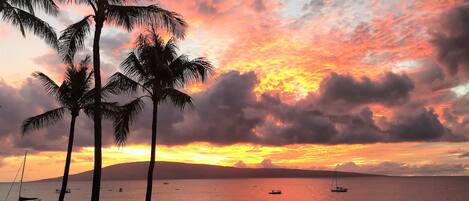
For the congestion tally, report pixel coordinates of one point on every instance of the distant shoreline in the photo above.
(57, 179)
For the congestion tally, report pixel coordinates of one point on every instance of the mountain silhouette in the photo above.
(174, 170)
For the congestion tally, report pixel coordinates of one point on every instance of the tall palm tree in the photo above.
(155, 69)
(119, 13)
(73, 95)
(21, 14)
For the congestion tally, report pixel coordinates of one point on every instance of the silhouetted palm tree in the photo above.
(115, 12)
(157, 70)
(73, 95)
(20, 13)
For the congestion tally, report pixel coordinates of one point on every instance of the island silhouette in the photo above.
(175, 170)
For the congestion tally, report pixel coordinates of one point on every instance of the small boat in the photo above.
(120, 190)
(66, 191)
(337, 188)
(275, 192)
(165, 183)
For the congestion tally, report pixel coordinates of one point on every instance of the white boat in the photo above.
(337, 188)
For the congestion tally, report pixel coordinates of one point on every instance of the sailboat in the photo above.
(21, 182)
(20, 198)
(337, 188)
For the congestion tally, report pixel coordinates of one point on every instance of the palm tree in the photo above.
(20, 13)
(73, 95)
(155, 69)
(119, 13)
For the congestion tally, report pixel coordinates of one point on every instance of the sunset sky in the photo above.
(367, 85)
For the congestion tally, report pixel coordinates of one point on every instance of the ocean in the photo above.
(360, 189)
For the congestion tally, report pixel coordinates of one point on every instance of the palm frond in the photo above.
(199, 68)
(130, 16)
(77, 1)
(51, 87)
(72, 38)
(3, 4)
(170, 51)
(23, 4)
(10, 15)
(48, 6)
(42, 120)
(88, 97)
(133, 68)
(169, 20)
(142, 40)
(27, 21)
(176, 97)
(125, 117)
(149, 50)
(85, 64)
(119, 83)
(64, 94)
(78, 79)
(187, 71)
(109, 110)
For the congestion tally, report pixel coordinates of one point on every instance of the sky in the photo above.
(366, 86)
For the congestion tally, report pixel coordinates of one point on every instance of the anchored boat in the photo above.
(275, 192)
(21, 198)
(337, 188)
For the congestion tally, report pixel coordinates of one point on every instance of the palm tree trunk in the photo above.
(68, 159)
(153, 152)
(97, 111)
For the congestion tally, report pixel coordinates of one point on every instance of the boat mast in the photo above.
(22, 173)
(336, 175)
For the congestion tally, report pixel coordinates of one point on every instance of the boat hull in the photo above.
(275, 192)
(339, 190)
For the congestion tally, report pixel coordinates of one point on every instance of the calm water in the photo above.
(361, 189)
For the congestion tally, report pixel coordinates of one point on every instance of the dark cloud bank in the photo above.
(229, 112)
(451, 39)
